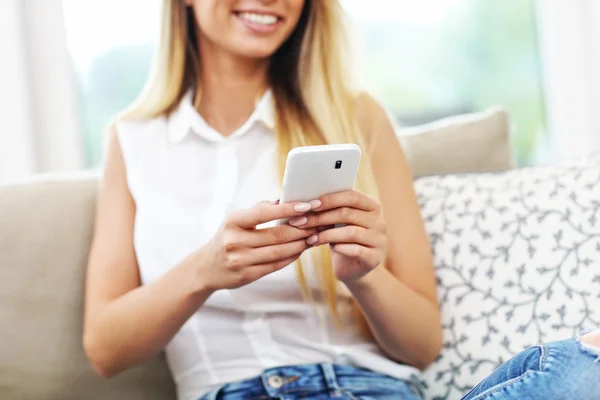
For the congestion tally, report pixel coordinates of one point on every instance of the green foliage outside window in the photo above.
(482, 54)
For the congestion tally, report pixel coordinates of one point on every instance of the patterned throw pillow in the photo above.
(518, 263)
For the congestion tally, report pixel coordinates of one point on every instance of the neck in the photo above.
(228, 88)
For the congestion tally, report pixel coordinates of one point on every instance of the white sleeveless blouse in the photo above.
(185, 177)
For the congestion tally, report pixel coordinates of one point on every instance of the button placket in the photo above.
(225, 186)
(227, 175)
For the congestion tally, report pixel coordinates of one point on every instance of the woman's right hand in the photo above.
(239, 253)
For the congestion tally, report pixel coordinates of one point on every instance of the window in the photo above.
(111, 44)
(432, 58)
(424, 59)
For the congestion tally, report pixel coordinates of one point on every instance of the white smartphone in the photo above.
(314, 171)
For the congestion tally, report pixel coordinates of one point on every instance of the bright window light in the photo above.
(423, 59)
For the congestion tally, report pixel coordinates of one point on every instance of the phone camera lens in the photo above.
(338, 164)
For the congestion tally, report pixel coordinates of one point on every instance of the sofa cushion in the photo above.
(45, 230)
(518, 263)
(478, 142)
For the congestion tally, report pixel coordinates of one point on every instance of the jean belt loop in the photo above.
(330, 377)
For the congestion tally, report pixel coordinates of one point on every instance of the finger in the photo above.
(260, 270)
(264, 212)
(276, 235)
(275, 200)
(268, 254)
(324, 228)
(348, 198)
(341, 215)
(346, 234)
(368, 255)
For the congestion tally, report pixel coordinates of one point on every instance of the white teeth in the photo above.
(262, 19)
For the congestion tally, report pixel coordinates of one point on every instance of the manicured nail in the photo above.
(315, 204)
(298, 221)
(312, 240)
(302, 207)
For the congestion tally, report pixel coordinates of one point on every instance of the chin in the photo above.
(258, 53)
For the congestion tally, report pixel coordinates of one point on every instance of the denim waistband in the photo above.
(290, 380)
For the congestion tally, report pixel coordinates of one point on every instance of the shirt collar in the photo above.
(186, 120)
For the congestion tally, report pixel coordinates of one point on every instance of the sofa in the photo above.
(516, 252)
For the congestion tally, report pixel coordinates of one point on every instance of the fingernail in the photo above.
(298, 221)
(315, 204)
(312, 240)
(302, 207)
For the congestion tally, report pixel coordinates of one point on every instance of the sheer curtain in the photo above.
(570, 47)
(39, 127)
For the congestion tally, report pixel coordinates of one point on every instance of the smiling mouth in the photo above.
(257, 18)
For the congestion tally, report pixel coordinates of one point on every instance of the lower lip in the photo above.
(258, 28)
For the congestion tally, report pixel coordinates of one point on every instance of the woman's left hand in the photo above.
(359, 246)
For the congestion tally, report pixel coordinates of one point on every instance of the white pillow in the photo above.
(518, 263)
(478, 142)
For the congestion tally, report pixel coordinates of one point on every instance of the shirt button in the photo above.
(275, 381)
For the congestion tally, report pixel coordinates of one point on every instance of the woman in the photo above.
(177, 260)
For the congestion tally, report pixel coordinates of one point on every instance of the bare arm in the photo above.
(405, 323)
(126, 324)
(400, 301)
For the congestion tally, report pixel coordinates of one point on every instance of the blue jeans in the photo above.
(559, 370)
(563, 370)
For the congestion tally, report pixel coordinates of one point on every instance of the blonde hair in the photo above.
(310, 79)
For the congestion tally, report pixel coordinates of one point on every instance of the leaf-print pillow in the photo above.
(517, 258)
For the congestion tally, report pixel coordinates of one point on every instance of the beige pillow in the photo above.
(477, 142)
(45, 231)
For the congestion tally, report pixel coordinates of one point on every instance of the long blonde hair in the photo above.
(310, 79)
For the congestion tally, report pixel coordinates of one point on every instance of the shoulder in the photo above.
(128, 127)
(137, 132)
(132, 138)
(375, 122)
